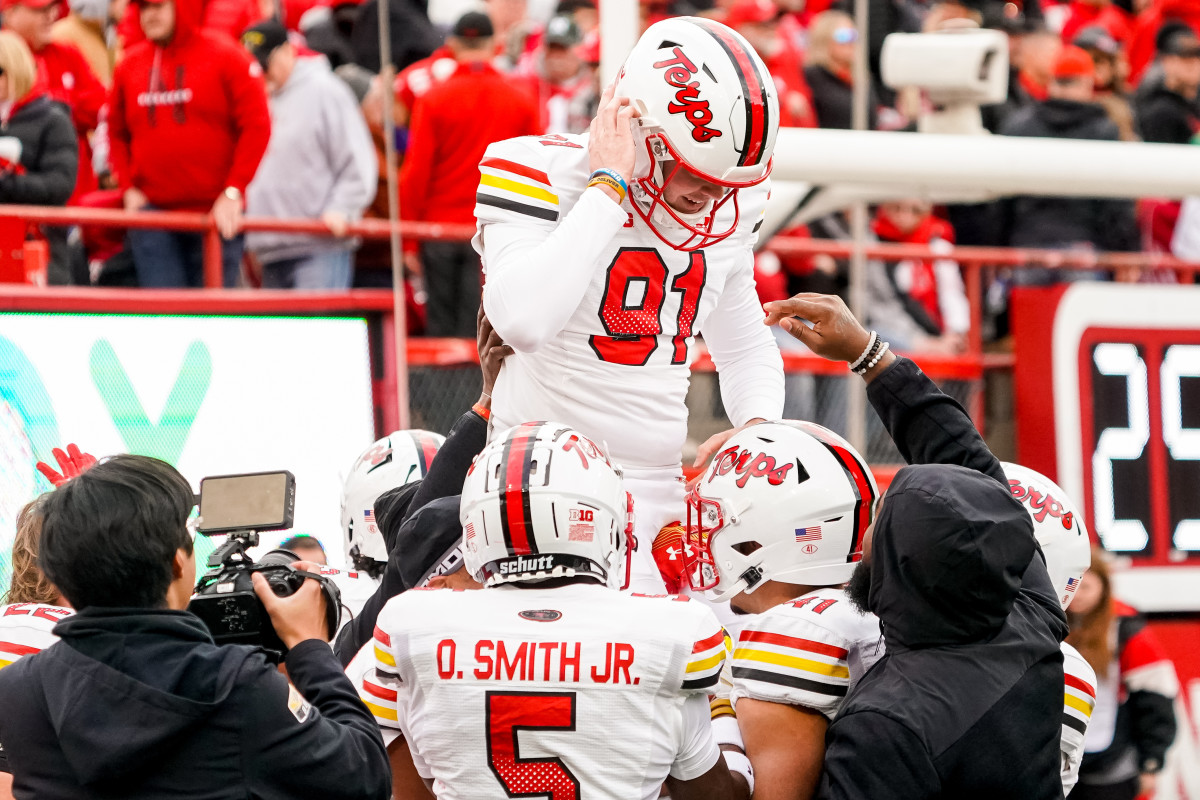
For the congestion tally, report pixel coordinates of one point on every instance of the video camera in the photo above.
(242, 506)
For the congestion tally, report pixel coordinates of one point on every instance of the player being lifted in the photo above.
(607, 253)
(549, 682)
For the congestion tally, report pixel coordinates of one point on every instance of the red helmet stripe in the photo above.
(427, 448)
(753, 89)
(516, 518)
(856, 471)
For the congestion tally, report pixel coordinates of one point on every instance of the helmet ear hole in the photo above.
(746, 548)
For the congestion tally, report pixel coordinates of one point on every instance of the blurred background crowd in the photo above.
(274, 108)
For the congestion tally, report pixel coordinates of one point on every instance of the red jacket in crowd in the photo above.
(189, 119)
(64, 74)
(451, 128)
(1147, 25)
(1113, 19)
(225, 17)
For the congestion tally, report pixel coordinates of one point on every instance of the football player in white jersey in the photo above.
(607, 253)
(397, 459)
(548, 681)
(32, 607)
(1064, 540)
(776, 526)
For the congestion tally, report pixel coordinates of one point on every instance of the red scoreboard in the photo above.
(1108, 404)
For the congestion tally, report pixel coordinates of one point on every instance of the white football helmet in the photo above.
(1058, 526)
(787, 501)
(396, 459)
(544, 501)
(707, 105)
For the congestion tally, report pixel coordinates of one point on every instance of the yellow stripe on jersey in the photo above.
(808, 665)
(381, 711)
(385, 657)
(4, 664)
(719, 707)
(1080, 705)
(519, 188)
(708, 663)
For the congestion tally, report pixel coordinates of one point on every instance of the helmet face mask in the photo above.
(707, 103)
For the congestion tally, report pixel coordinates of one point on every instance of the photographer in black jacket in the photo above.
(136, 701)
(967, 701)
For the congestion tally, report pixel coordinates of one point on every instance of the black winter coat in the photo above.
(1059, 222)
(49, 155)
(965, 703)
(833, 99)
(136, 703)
(1165, 116)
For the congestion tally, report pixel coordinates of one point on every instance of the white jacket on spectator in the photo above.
(320, 158)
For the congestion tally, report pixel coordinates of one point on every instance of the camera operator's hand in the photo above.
(299, 617)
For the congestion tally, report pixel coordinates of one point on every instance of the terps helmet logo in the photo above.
(749, 466)
(679, 72)
(1043, 505)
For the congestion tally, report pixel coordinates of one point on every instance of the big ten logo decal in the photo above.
(749, 465)
(679, 73)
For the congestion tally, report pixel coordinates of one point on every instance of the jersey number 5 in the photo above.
(509, 713)
(631, 312)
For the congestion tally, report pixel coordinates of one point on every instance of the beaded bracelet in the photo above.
(610, 178)
(854, 365)
(875, 359)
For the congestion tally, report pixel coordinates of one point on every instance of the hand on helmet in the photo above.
(611, 143)
(73, 463)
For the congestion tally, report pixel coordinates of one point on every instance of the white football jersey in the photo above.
(573, 692)
(1079, 698)
(356, 588)
(27, 628)
(618, 369)
(806, 652)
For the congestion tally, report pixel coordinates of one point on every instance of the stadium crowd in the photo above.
(232, 107)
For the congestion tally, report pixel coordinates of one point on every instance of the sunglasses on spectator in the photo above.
(845, 36)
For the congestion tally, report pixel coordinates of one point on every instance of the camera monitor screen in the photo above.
(261, 501)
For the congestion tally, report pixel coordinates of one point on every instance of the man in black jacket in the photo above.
(1068, 222)
(967, 700)
(1166, 102)
(136, 701)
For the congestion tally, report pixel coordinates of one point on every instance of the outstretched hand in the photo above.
(73, 463)
(834, 333)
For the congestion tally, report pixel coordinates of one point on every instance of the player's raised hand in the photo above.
(834, 333)
(611, 143)
(73, 463)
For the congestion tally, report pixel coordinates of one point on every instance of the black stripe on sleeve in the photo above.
(701, 683)
(513, 205)
(789, 680)
(1072, 722)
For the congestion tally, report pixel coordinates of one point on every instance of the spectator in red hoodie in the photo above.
(189, 123)
(63, 73)
(1105, 13)
(451, 128)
